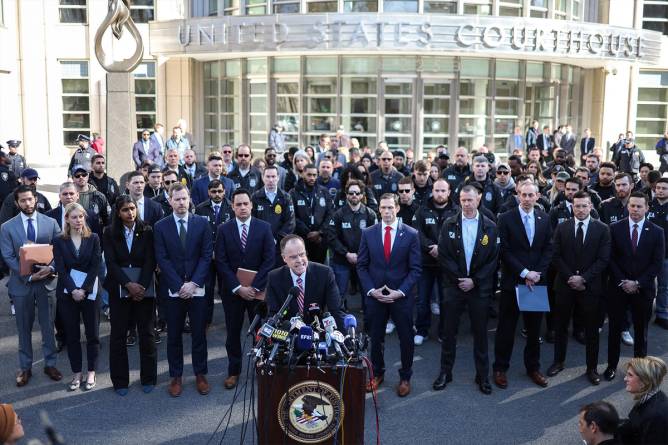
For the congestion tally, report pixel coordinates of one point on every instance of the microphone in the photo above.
(296, 323)
(314, 310)
(279, 337)
(350, 323)
(339, 343)
(328, 322)
(305, 339)
(282, 312)
(332, 340)
(265, 332)
(260, 313)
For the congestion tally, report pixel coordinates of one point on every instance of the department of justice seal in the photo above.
(311, 412)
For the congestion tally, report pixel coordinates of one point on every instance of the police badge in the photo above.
(452, 235)
(394, 186)
(485, 240)
(488, 196)
(322, 201)
(363, 224)
(252, 182)
(5, 176)
(278, 209)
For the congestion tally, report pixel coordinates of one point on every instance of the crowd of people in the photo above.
(458, 231)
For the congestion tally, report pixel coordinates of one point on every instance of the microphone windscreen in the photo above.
(350, 321)
(305, 339)
(314, 308)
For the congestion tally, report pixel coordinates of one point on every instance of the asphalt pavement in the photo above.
(521, 414)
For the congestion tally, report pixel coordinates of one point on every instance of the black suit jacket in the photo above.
(517, 254)
(117, 256)
(66, 259)
(645, 264)
(320, 288)
(586, 149)
(590, 262)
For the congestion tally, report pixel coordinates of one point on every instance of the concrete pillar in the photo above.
(120, 123)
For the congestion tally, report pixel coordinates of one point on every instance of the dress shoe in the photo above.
(53, 373)
(175, 387)
(554, 369)
(580, 337)
(389, 327)
(442, 381)
(23, 377)
(500, 379)
(538, 378)
(550, 336)
(131, 340)
(202, 384)
(627, 338)
(161, 326)
(231, 381)
(91, 385)
(156, 337)
(60, 345)
(418, 340)
(661, 322)
(374, 383)
(74, 384)
(593, 377)
(524, 332)
(404, 388)
(121, 392)
(610, 374)
(147, 388)
(483, 385)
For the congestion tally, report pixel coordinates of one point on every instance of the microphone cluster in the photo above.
(282, 342)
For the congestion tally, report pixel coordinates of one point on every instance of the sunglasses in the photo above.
(169, 182)
(271, 155)
(404, 190)
(386, 159)
(81, 175)
(216, 191)
(227, 152)
(243, 156)
(502, 173)
(354, 193)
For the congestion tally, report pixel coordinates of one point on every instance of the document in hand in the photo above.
(532, 300)
(31, 254)
(79, 277)
(134, 273)
(246, 277)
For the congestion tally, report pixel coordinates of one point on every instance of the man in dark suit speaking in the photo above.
(247, 243)
(389, 263)
(315, 281)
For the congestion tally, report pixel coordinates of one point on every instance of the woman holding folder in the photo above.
(128, 250)
(77, 255)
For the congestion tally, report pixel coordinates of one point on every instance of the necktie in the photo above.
(387, 243)
(634, 238)
(244, 236)
(216, 212)
(182, 232)
(300, 298)
(527, 228)
(579, 236)
(31, 231)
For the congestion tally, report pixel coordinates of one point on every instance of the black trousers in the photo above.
(177, 309)
(235, 307)
(123, 311)
(453, 305)
(72, 312)
(505, 334)
(641, 311)
(209, 292)
(584, 303)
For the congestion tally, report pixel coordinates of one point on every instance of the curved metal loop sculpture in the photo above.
(118, 18)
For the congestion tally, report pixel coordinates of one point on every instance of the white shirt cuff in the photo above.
(524, 273)
(234, 291)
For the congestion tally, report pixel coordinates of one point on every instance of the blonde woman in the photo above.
(300, 160)
(77, 255)
(648, 419)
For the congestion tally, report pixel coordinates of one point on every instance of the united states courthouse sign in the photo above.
(310, 33)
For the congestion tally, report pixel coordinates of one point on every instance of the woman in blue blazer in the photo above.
(77, 256)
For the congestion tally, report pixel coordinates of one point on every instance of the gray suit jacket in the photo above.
(12, 237)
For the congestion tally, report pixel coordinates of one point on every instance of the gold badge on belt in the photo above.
(485, 240)
(278, 209)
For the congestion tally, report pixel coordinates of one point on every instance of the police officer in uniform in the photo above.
(386, 178)
(83, 155)
(17, 162)
(103, 182)
(245, 176)
(217, 210)
(7, 179)
(460, 170)
(9, 208)
(658, 214)
(407, 205)
(491, 194)
(344, 232)
(313, 208)
(422, 182)
(275, 206)
(614, 209)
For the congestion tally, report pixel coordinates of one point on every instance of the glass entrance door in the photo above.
(398, 111)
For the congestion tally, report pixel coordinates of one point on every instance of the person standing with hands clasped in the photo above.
(128, 250)
(77, 255)
(183, 250)
(526, 252)
(389, 263)
(636, 259)
(467, 252)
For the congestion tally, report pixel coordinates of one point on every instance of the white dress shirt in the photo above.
(469, 235)
(585, 225)
(531, 221)
(24, 219)
(178, 224)
(240, 223)
(295, 276)
(129, 236)
(393, 233)
(140, 208)
(640, 224)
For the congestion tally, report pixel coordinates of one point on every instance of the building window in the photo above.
(474, 103)
(76, 100)
(478, 7)
(359, 98)
(212, 8)
(438, 74)
(72, 11)
(286, 6)
(142, 11)
(2, 12)
(360, 6)
(506, 100)
(538, 9)
(511, 8)
(400, 6)
(322, 6)
(655, 16)
(652, 109)
(256, 7)
(145, 96)
(320, 97)
(440, 7)
(286, 71)
(222, 103)
(258, 102)
(560, 9)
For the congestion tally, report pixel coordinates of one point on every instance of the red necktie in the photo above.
(387, 244)
(634, 238)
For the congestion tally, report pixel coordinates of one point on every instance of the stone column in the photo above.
(121, 131)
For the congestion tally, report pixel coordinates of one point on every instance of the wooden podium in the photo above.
(305, 405)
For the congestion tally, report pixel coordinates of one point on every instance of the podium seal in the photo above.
(311, 412)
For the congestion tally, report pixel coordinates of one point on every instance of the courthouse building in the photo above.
(415, 73)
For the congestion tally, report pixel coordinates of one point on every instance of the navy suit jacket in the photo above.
(517, 254)
(152, 212)
(259, 254)
(589, 147)
(179, 265)
(200, 189)
(646, 263)
(404, 268)
(66, 259)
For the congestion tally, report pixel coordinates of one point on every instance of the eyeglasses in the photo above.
(405, 190)
(216, 191)
(81, 175)
(354, 193)
(386, 159)
(502, 172)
